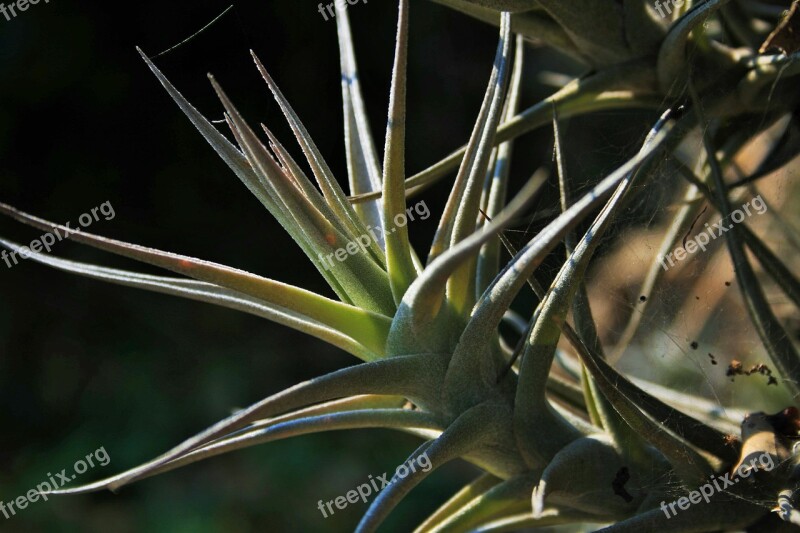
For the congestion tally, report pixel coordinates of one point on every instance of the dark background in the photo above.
(85, 364)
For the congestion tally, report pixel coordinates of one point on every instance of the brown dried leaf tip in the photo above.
(786, 35)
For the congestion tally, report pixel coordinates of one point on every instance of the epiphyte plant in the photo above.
(562, 436)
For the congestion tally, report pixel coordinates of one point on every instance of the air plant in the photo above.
(568, 442)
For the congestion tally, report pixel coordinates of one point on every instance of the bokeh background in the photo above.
(85, 365)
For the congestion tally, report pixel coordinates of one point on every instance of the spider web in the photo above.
(694, 324)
